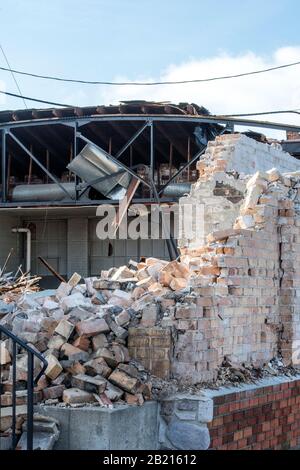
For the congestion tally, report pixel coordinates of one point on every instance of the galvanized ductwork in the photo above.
(91, 163)
(177, 189)
(42, 192)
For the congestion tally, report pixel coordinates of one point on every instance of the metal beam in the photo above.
(69, 121)
(3, 166)
(132, 139)
(53, 178)
(75, 151)
(169, 240)
(131, 172)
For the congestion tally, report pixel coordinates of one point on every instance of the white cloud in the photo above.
(257, 93)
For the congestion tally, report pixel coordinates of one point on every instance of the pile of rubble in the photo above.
(236, 374)
(81, 328)
(12, 286)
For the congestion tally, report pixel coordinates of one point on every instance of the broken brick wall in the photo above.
(222, 178)
(244, 283)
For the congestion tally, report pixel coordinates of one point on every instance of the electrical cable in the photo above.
(14, 95)
(13, 75)
(170, 82)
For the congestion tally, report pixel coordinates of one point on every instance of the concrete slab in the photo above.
(94, 428)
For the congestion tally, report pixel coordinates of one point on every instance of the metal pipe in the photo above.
(42, 192)
(152, 152)
(177, 189)
(28, 245)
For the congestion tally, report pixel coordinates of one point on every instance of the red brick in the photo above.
(266, 426)
(238, 435)
(247, 432)
(232, 446)
(242, 443)
(261, 437)
(223, 409)
(228, 438)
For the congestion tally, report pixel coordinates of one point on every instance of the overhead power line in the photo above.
(170, 82)
(37, 100)
(288, 111)
(12, 73)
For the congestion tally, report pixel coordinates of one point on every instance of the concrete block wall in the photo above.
(9, 240)
(77, 246)
(245, 155)
(218, 190)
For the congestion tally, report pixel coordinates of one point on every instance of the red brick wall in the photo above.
(262, 418)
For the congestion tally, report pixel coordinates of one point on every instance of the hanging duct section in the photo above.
(91, 163)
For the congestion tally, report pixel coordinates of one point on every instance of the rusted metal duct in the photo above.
(91, 164)
(177, 189)
(42, 192)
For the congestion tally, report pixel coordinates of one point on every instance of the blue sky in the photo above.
(146, 39)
